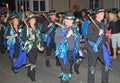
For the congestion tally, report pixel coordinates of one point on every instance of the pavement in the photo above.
(50, 74)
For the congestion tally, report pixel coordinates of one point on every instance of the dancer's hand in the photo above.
(50, 25)
(70, 33)
(41, 49)
(80, 53)
(100, 32)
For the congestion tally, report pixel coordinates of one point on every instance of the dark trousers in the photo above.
(50, 48)
(32, 56)
(16, 51)
(2, 49)
(49, 51)
(67, 67)
(92, 61)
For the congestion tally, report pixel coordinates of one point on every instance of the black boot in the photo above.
(76, 68)
(71, 70)
(57, 61)
(28, 72)
(64, 81)
(2, 52)
(48, 63)
(31, 73)
(14, 69)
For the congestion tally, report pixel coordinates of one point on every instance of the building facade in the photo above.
(63, 5)
(32, 5)
(111, 3)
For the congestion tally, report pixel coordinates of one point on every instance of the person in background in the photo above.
(3, 30)
(118, 24)
(115, 31)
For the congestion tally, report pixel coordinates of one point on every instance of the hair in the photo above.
(112, 17)
(119, 14)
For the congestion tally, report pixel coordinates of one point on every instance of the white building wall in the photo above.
(30, 5)
(81, 3)
(59, 5)
(63, 5)
(111, 3)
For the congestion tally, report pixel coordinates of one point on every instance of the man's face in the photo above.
(2, 18)
(83, 13)
(100, 16)
(53, 18)
(68, 22)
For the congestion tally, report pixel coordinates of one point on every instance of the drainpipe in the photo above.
(52, 4)
(69, 4)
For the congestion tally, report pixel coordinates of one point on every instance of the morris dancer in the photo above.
(33, 42)
(49, 28)
(67, 46)
(96, 47)
(14, 42)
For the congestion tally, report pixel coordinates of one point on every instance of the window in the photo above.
(24, 5)
(21, 3)
(93, 3)
(96, 3)
(35, 6)
(18, 6)
(42, 5)
(27, 5)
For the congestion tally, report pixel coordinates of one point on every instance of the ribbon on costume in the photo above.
(22, 59)
(107, 58)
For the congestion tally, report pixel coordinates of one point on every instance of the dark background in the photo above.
(10, 2)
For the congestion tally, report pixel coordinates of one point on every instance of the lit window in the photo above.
(35, 6)
(42, 5)
(93, 3)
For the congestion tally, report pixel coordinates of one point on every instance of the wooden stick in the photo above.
(7, 6)
(22, 8)
(94, 22)
(46, 17)
(59, 24)
(23, 16)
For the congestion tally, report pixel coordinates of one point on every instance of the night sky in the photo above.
(10, 2)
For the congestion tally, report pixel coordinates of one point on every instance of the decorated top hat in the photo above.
(12, 17)
(99, 9)
(52, 12)
(69, 15)
(30, 15)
